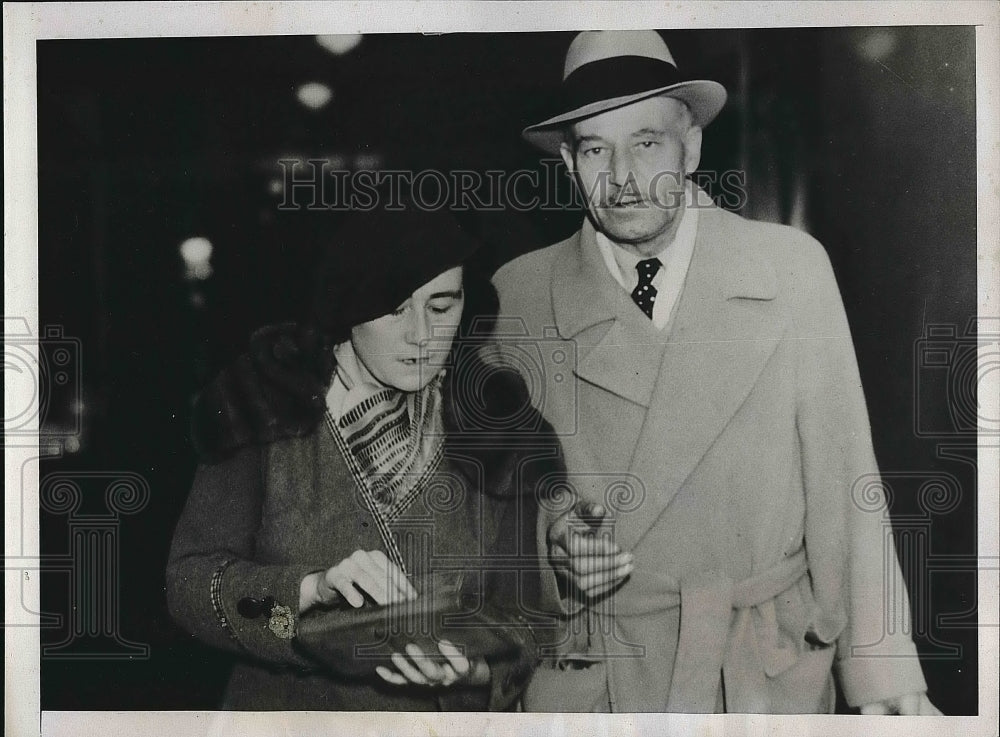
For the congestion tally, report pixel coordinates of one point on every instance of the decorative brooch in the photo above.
(282, 622)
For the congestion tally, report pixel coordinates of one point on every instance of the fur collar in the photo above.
(277, 391)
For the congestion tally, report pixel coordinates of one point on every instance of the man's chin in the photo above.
(632, 230)
(645, 215)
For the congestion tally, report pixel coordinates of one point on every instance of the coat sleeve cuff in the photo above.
(268, 635)
(866, 680)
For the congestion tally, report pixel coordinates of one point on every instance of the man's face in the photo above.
(631, 163)
(408, 347)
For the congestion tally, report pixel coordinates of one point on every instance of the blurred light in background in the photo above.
(314, 95)
(367, 162)
(339, 43)
(877, 45)
(197, 255)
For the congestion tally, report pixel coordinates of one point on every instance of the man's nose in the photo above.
(621, 167)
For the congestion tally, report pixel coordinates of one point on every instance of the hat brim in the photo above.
(704, 97)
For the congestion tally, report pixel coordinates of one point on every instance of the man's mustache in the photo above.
(605, 193)
(670, 201)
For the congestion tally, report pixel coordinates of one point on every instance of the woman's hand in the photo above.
(363, 572)
(422, 669)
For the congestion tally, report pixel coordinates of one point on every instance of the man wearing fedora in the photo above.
(716, 421)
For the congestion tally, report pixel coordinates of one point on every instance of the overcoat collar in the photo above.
(585, 294)
(691, 380)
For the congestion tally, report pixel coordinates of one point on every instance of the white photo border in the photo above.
(26, 23)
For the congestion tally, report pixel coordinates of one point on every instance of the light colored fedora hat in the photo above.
(610, 69)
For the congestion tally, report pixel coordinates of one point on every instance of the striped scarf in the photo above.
(395, 438)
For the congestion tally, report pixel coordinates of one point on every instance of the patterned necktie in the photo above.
(644, 293)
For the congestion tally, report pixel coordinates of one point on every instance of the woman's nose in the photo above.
(418, 328)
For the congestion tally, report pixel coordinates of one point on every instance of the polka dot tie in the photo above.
(644, 293)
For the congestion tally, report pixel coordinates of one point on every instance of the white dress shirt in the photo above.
(669, 280)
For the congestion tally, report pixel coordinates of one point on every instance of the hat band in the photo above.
(616, 76)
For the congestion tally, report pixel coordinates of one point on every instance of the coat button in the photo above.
(249, 607)
(364, 524)
(252, 608)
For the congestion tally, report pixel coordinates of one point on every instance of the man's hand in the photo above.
(582, 552)
(908, 705)
(363, 572)
(424, 670)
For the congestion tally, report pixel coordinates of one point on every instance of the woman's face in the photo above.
(408, 347)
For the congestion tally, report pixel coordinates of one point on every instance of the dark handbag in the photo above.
(353, 641)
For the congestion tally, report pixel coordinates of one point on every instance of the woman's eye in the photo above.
(441, 307)
(399, 310)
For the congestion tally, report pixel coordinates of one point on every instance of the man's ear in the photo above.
(692, 149)
(567, 156)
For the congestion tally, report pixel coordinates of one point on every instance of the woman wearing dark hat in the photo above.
(384, 457)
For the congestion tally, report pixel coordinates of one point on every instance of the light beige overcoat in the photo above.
(734, 451)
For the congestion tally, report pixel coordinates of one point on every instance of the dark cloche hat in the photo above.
(379, 257)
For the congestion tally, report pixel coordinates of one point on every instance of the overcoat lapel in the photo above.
(726, 327)
(618, 349)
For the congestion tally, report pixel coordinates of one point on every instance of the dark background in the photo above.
(863, 137)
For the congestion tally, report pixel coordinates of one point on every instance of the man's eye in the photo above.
(647, 144)
(593, 151)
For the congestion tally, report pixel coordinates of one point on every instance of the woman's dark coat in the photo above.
(278, 502)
